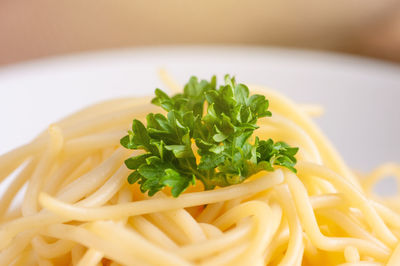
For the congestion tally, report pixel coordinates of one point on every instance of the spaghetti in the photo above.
(78, 208)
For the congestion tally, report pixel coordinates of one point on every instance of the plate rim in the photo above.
(321, 55)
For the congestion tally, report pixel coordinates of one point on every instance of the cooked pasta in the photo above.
(77, 207)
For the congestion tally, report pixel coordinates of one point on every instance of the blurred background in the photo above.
(42, 28)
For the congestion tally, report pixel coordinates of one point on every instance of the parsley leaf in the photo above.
(220, 136)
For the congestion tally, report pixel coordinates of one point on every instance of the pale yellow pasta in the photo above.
(78, 208)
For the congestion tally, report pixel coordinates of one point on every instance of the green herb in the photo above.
(220, 136)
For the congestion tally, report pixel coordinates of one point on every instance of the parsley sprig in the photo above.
(220, 136)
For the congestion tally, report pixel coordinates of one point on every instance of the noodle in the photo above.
(78, 208)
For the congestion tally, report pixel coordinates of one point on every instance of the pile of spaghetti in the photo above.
(78, 208)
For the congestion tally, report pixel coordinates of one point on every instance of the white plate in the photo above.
(361, 96)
